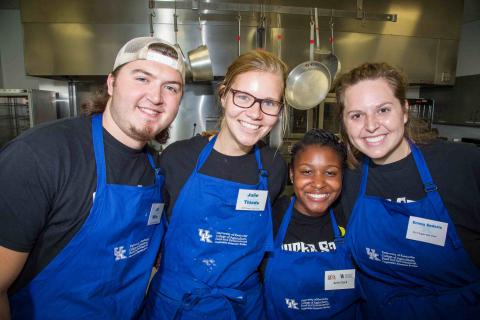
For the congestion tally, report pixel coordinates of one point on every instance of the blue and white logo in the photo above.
(205, 235)
(291, 303)
(372, 255)
(119, 253)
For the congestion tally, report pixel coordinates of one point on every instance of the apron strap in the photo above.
(336, 230)
(263, 174)
(282, 231)
(190, 300)
(205, 153)
(99, 150)
(427, 180)
(363, 184)
(425, 176)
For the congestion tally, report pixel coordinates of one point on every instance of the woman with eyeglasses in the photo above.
(219, 195)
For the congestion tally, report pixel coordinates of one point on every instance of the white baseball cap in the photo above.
(153, 49)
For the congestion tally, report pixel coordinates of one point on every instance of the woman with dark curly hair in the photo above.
(310, 275)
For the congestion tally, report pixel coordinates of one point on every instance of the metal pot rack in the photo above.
(206, 7)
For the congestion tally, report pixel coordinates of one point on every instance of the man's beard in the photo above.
(145, 134)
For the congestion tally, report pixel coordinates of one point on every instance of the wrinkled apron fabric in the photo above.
(103, 271)
(212, 251)
(294, 282)
(407, 278)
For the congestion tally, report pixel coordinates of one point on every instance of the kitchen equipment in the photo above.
(239, 19)
(309, 82)
(328, 114)
(200, 63)
(188, 71)
(21, 109)
(331, 60)
(275, 137)
(422, 109)
(261, 36)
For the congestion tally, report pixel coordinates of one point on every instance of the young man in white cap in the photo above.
(80, 199)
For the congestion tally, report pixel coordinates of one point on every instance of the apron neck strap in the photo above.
(282, 231)
(209, 147)
(363, 184)
(98, 148)
(427, 180)
(284, 225)
(423, 171)
(336, 230)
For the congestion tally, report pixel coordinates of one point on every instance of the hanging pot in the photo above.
(308, 83)
(200, 63)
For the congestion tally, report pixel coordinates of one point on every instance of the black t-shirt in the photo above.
(455, 169)
(306, 233)
(179, 159)
(47, 178)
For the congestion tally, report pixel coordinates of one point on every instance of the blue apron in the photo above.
(103, 272)
(411, 279)
(212, 251)
(295, 281)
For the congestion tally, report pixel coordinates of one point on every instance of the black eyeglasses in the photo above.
(245, 100)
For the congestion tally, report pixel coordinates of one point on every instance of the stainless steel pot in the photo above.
(308, 83)
(200, 63)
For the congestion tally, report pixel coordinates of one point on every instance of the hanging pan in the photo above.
(188, 72)
(309, 82)
(331, 60)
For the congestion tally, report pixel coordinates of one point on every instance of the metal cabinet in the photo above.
(21, 109)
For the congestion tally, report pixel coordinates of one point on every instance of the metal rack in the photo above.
(422, 109)
(207, 7)
(21, 109)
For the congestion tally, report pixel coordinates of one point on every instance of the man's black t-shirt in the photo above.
(47, 178)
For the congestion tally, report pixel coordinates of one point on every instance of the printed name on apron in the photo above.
(155, 213)
(426, 230)
(251, 200)
(340, 279)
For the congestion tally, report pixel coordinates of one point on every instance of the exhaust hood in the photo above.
(81, 37)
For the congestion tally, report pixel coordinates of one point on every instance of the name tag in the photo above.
(426, 230)
(251, 200)
(340, 279)
(155, 213)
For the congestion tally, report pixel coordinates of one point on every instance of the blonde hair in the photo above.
(415, 129)
(255, 60)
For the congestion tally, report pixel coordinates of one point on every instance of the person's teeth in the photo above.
(150, 111)
(317, 195)
(375, 139)
(249, 125)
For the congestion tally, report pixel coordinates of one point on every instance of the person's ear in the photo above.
(110, 83)
(223, 96)
(405, 114)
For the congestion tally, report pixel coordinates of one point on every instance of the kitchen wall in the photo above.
(12, 68)
(11, 52)
(468, 63)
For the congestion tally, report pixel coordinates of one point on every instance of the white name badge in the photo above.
(340, 279)
(426, 230)
(155, 213)
(251, 200)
